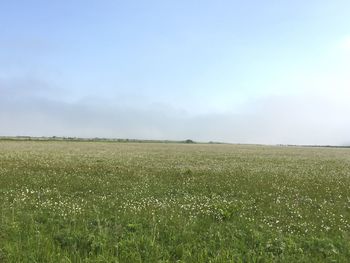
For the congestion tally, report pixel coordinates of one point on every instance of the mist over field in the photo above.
(26, 109)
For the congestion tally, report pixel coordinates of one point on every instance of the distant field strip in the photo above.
(157, 202)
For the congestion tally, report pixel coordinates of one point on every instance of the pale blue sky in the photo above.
(236, 71)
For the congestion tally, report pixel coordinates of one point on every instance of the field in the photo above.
(158, 202)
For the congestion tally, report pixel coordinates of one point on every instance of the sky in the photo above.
(269, 72)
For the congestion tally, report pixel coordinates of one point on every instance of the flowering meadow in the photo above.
(64, 201)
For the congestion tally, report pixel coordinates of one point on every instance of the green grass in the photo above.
(137, 202)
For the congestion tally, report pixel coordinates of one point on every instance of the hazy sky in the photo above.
(236, 71)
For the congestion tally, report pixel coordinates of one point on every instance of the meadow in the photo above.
(165, 202)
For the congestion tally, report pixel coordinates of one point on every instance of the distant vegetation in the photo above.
(135, 202)
(96, 139)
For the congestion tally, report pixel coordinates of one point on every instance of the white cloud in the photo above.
(272, 120)
(317, 114)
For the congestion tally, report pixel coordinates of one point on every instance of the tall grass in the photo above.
(130, 202)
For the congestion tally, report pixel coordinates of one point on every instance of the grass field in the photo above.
(149, 202)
